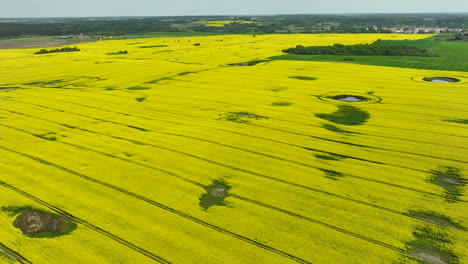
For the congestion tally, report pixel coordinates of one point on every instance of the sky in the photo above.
(87, 8)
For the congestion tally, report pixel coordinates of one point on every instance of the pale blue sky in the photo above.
(67, 8)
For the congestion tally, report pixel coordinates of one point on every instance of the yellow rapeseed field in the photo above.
(128, 146)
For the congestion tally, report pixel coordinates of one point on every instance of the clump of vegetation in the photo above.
(118, 53)
(140, 99)
(360, 49)
(215, 194)
(431, 246)
(304, 78)
(38, 223)
(66, 49)
(281, 104)
(346, 115)
(435, 218)
(136, 88)
(459, 121)
(331, 174)
(449, 178)
(329, 157)
(197, 44)
(240, 117)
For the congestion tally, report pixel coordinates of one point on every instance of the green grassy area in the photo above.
(451, 55)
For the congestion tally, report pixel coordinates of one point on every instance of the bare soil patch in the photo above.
(37, 44)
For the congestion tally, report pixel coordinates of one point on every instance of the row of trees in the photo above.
(66, 49)
(360, 49)
(116, 26)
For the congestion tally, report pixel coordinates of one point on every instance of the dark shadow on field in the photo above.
(346, 115)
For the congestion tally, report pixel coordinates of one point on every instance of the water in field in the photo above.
(439, 81)
(350, 99)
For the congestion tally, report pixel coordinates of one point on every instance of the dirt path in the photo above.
(36, 44)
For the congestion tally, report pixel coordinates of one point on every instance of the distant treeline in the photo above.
(66, 49)
(118, 26)
(360, 49)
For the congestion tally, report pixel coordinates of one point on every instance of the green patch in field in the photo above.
(240, 117)
(346, 115)
(249, 63)
(140, 99)
(51, 136)
(158, 80)
(331, 174)
(215, 194)
(153, 46)
(449, 178)
(304, 78)
(329, 157)
(38, 223)
(278, 89)
(334, 128)
(451, 56)
(137, 88)
(281, 104)
(430, 245)
(435, 218)
(8, 88)
(184, 73)
(459, 121)
(122, 52)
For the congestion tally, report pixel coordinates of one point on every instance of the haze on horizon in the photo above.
(93, 8)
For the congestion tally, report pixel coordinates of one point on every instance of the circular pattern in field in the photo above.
(350, 98)
(439, 79)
